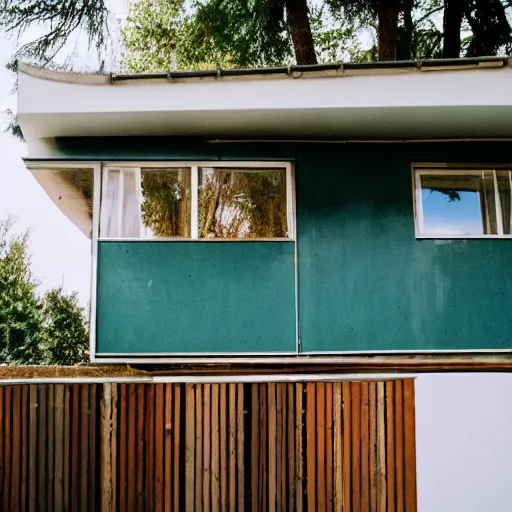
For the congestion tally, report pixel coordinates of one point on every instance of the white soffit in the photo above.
(405, 104)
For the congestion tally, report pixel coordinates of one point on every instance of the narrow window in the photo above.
(463, 203)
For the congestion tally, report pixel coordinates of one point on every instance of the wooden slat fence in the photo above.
(273, 447)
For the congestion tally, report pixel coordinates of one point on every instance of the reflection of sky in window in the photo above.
(444, 217)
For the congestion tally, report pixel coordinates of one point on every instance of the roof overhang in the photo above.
(373, 103)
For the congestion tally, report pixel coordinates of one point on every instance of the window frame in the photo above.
(447, 169)
(194, 166)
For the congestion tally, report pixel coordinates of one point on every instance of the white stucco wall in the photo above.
(464, 442)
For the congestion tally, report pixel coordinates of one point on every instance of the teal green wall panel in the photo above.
(365, 282)
(196, 297)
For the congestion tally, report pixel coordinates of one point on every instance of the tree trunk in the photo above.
(388, 30)
(409, 29)
(298, 20)
(453, 13)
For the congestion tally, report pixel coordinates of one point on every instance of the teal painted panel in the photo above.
(223, 297)
(366, 283)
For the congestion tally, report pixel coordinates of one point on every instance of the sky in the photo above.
(61, 254)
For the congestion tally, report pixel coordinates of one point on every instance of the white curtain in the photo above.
(120, 205)
(110, 220)
(131, 208)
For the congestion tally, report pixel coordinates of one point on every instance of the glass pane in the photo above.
(72, 191)
(110, 215)
(458, 204)
(242, 203)
(504, 179)
(131, 208)
(165, 202)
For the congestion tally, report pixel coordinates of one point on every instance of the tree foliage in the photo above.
(169, 34)
(20, 311)
(59, 19)
(47, 329)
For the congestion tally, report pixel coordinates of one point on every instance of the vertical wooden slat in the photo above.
(141, 463)
(390, 451)
(347, 445)
(373, 445)
(272, 446)
(206, 449)
(399, 447)
(223, 449)
(255, 447)
(320, 446)
(159, 447)
(66, 442)
(279, 444)
(190, 439)
(177, 423)
(311, 427)
(41, 449)
(338, 448)
(105, 448)
(232, 449)
(381, 448)
(150, 447)
(329, 446)
(25, 446)
(264, 449)
(215, 478)
(84, 446)
(16, 448)
(75, 448)
(58, 504)
(365, 448)
(123, 446)
(51, 444)
(299, 462)
(93, 500)
(199, 449)
(132, 447)
(169, 388)
(291, 447)
(282, 462)
(240, 447)
(410, 446)
(33, 460)
(113, 441)
(356, 445)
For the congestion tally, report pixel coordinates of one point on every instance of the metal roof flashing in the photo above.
(294, 71)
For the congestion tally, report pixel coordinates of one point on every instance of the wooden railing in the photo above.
(313, 446)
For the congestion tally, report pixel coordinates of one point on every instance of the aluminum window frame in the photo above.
(449, 169)
(194, 166)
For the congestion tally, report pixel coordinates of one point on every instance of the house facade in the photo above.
(313, 216)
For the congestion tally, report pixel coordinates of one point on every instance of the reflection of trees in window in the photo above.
(246, 203)
(166, 202)
(82, 181)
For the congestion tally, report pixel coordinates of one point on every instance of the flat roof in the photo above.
(431, 99)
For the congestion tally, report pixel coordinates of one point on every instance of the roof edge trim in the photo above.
(294, 71)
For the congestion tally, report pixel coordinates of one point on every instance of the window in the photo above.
(463, 203)
(225, 201)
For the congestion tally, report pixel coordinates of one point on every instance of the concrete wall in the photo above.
(464, 442)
